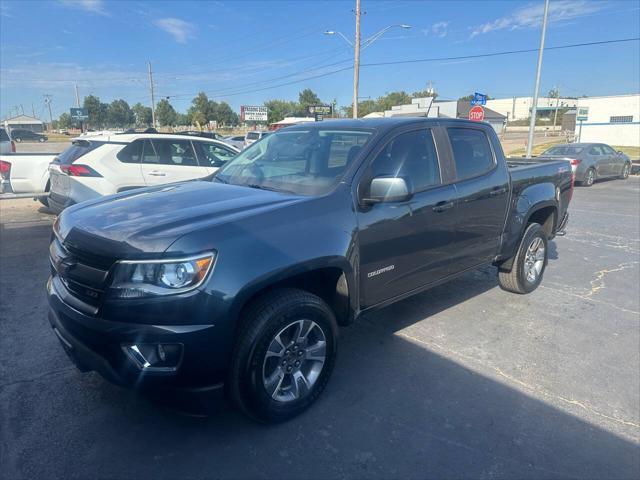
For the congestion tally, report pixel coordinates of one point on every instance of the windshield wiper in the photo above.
(218, 179)
(270, 189)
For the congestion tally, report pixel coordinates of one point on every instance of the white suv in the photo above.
(107, 164)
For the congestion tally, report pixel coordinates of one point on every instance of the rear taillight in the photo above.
(13, 146)
(79, 171)
(5, 170)
(574, 166)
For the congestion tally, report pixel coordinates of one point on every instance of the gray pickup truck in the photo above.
(240, 280)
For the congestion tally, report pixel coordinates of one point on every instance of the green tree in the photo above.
(390, 100)
(424, 94)
(278, 109)
(307, 97)
(65, 121)
(165, 113)
(224, 114)
(365, 107)
(143, 115)
(554, 93)
(183, 119)
(97, 111)
(201, 109)
(119, 114)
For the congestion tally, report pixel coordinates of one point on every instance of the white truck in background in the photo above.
(23, 173)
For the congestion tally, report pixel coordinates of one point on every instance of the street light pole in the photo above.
(356, 62)
(536, 91)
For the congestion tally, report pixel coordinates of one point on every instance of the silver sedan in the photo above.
(592, 161)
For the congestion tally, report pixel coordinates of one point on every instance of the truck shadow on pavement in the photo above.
(395, 408)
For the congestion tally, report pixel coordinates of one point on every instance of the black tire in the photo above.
(41, 140)
(515, 280)
(589, 178)
(263, 319)
(625, 171)
(45, 200)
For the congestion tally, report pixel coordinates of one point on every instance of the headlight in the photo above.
(135, 279)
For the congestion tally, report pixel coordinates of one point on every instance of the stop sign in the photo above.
(476, 114)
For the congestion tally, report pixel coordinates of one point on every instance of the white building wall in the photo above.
(519, 108)
(600, 128)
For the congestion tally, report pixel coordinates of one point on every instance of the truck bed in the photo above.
(524, 169)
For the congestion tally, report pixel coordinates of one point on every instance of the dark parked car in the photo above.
(592, 161)
(21, 135)
(242, 279)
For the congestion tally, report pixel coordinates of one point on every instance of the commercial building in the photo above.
(519, 108)
(614, 120)
(24, 122)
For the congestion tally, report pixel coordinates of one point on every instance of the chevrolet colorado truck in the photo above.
(241, 279)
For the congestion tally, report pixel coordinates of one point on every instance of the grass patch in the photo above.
(536, 150)
(632, 152)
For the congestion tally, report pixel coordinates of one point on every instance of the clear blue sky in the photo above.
(230, 49)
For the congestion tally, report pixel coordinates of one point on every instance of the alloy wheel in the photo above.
(534, 260)
(294, 360)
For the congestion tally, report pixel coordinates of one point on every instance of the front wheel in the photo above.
(284, 355)
(625, 171)
(529, 263)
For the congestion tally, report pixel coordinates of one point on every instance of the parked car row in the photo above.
(240, 280)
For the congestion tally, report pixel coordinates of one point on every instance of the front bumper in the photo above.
(96, 344)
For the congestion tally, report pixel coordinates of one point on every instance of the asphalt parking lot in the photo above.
(463, 381)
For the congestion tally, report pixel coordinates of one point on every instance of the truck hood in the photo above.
(147, 221)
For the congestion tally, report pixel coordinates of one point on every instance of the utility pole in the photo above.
(536, 91)
(33, 110)
(47, 100)
(153, 100)
(356, 62)
(77, 97)
(555, 115)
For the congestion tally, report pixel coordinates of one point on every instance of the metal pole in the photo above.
(555, 116)
(534, 107)
(77, 97)
(580, 132)
(356, 62)
(153, 100)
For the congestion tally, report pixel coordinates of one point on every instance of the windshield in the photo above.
(564, 150)
(253, 135)
(304, 162)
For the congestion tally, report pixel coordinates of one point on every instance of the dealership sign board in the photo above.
(79, 113)
(479, 99)
(253, 114)
(320, 109)
(583, 114)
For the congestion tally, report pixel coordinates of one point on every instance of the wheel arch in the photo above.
(332, 279)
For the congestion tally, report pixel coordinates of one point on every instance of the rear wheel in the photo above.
(589, 177)
(41, 140)
(44, 200)
(284, 355)
(18, 139)
(529, 263)
(625, 171)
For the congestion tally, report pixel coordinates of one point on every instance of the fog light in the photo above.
(151, 357)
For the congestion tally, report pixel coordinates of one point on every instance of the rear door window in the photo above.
(172, 152)
(77, 149)
(472, 152)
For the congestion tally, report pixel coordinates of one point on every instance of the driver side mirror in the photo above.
(387, 189)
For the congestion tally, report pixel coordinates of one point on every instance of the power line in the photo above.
(433, 59)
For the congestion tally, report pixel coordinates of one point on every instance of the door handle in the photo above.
(497, 191)
(156, 173)
(442, 206)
